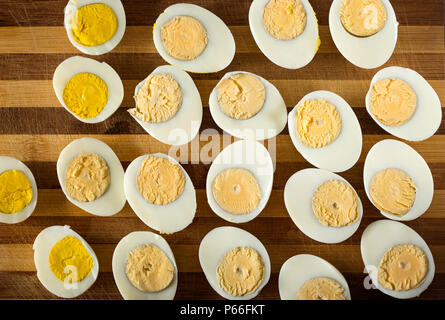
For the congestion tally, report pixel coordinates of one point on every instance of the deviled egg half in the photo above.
(193, 38)
(90, 90)
(397, 259)
(247, 106)
(160, 192)
(92, 177)
(168, 106)
(239, 181)
(235, 263)
(95, 27)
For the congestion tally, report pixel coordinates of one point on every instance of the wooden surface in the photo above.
(35, 128)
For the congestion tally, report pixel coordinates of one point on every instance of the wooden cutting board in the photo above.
(35, 128)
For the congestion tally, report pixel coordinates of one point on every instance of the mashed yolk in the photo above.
(184, 38)
(15, 191)
(318, 123)
(335, 204)
(321, 289)
(284, 19)
(149, 269)
(393, 101)
(158, 100)
(403, 267)
(160, 181)
(93, 24)
(241, 96)
(236, 191)
(393, 191)
(241, 271)
(86, 95)
(69, 258)
(363, 18)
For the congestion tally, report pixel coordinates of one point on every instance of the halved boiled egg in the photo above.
(66, 264)
(168, 106)
(323, 205)
(308, 277)
(235, 263)
(193, 39)
(90, 90)
(325, 131)
(397, 180)
(398, 260)
(92, 177)
(286, 31)
(247, 106)
(239, 181)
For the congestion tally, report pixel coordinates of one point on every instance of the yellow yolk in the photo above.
(284, 19)
(184, 38)
(149, 269)
(240, 271)
(93, 24)
(160, 181)
(85, 95)
(363, 18)
(69, 258)
(403, 267)
(321, 289)
(15, 191)
(318, 123)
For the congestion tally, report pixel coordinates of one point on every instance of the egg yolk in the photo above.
(363, 18)
(284, 19)
(70, 259)
(93, 24)
(321, 289)
(86, 95)
(15, 191)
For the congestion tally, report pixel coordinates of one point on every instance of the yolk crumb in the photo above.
(15, 191)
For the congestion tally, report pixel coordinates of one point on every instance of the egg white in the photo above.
(428, 114)
(120, 255)
(185, 124)
(113, 200)
(217, 243)
(266, 124)
(298, 194)
(118, 9)
(249, 155)
(398, 155)
(303, 267)
(9, 163)
(77, 64)
(290, 54)
(364, 52)
(42, 246)
(220, 48)
(169, 218)
(342, 153)
(382, 235)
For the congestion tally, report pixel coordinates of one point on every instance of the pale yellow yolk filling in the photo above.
(70, 259)
(403, 267)
(335, 204)
(236, 191)
(149, 269)
(363, 18)
(15, 191)
(318, 123)
(87, 177)
(93, 24)
(241, 271)
(158, 100)
(393, 101)
(85, 95)
(160, 181)
(393, 191)
(241, 96)
(284, 19)
(184, 38)
(321, 289)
